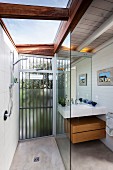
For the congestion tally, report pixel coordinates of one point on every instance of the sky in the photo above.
(54, 3)
(107, 74)
(34, 31)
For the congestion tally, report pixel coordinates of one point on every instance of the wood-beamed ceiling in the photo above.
(97, 14)
(47, 13)
(7, 32)
(77, 9)
(84, 18)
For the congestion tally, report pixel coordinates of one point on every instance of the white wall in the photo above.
(9, 130)
(103, 94)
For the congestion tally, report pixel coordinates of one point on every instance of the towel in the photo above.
(109, 124)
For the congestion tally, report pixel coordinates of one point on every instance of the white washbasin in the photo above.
(80, 110)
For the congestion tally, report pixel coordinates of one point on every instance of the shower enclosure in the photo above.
(74, 81)
(48, 84)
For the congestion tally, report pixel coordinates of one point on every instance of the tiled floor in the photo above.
(44, 148)
(93, 155)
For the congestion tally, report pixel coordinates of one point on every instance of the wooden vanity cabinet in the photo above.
(85, 129)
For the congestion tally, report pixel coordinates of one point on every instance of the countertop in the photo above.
(80, 110)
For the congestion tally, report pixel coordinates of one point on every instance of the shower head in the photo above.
(19, 61)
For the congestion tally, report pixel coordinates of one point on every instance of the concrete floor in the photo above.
(93, 155)
(44, 148)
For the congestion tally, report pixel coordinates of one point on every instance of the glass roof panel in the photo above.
(33, 31)
(52, 3)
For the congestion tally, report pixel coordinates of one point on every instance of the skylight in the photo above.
(33, 31)
(52, 3)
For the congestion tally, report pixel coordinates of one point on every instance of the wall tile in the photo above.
(8, 129)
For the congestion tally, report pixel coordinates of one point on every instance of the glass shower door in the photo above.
(63, 102)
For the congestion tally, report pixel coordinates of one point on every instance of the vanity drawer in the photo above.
(84, 124)
(87, 136)
(85, 129)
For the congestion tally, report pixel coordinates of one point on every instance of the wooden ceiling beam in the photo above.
(7, 32)
(76, 10)
(19, 11)
(36, 49)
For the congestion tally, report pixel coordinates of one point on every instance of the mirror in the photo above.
(81, 76)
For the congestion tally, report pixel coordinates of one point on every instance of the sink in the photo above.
(81, 110)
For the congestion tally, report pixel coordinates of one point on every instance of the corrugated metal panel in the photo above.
(36, 100)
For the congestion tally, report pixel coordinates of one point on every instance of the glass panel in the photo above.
(81, 96)
(53, 3)
(25, 31)
(63, 101)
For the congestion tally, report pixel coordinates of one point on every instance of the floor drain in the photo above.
(36, 159)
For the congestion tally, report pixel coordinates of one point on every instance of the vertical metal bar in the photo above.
(22, 106)
(37, 106)
(61, 119)
(51, 103)
(40, 105)
(29, 107)
(46, 119)
(47, 99)
(54, 93)
(51, 64)
(43, 98)
(25, 106)
(20, 122)
(33, 102)
(36, 117)
(19, 109)
(36, 103)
